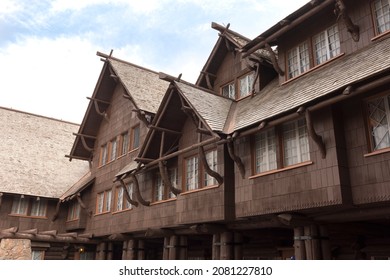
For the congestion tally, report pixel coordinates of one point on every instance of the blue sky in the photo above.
(48, 48)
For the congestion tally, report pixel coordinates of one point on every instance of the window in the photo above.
(74, 210)
(121, 202)
(191, 173)
(20, 205)
(29, 206)
(326, 44)
(103, 155)
(246, 85)
(38, 207)
(265, 155)
(211, 158)
(298, 60)
(295, 142)
(103, 204)
(135, 133)
(37, 255)
(124, 143)
(280, 147)
(379, 122)
(382, 15)
(228, 91)
(113, 149)
(196, 177)
(161, 192)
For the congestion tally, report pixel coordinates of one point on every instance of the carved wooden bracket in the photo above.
(96, 104)
(312, 133)
(82, 205)
(235, 158)
(133, 178)
(57, 211)
(127, 195)
(207, 168)
(274, 59)
(341, 12)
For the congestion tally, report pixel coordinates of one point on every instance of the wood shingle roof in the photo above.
(33, 152)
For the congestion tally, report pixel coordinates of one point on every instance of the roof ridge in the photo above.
(36, 115)
(109, 57)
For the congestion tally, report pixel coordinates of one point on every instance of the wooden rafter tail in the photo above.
(274, 59)
(89, 149)
(141, 115)
(86, 235)
(68, 234)
(312, 133)
(49, 232)
(127, 195)
(162, 129)
(11, 230)
(207, 168)
(96, 105)
(341, 12)
(55, 216)
(141, 200)
(237, 160)
(33, 231)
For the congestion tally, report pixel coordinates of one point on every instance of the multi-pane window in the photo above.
(103, 155)
(379, 122)
(20, 205)
(382, 15)
(29, 206)
(295, 142)
(162, 192)
(38, 207)
(246, 85)
(211, 158)
(281, 147)
(192, 173)
(103, 202)
(124, 143)
(121, 201)
(113, 149)
(298, 60)
(326, 44)
(135, 134)
(229, 91)
(265, 154)
(74, 210)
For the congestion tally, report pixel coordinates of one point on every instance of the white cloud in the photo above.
(8, 7)
(51, 77)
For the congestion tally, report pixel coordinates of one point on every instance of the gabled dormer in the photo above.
(228, 74)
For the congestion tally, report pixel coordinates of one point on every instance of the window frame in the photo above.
(231, 87)
(103, 202)
(296, 50)
(73, 211)
(377, 32)
(329, 53)
(135, 142)
(113, 149)
(280, 149)
(41, 203)
(29, 203)
(158, 184)
(124, 144)
(125, 205)
(103, 158)
(200, 173)
(370, 141)
(249, 84)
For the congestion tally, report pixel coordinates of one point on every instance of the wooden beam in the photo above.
(207, 168)
(68, 234)
(49, 232)
(312, 133)
(237, 160)
(33, 231)
(141, 115)
(208, 228)
(47, 238)
(99, 100)
(158, 232)
(77, 157)
(127, 195)
(164, 130)
(11, 230)
(341, 13)
(85, 135)
(164, 171)
(143, 160)
(274, 59)
(141, 200)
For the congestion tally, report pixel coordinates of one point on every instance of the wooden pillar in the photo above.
(101, 251)
(110, 248)
(308, 242)
(183, 249)
(216, 250)
(316, 243)
(227, 245)
(132, 249)
(325, 246)
(124, 250)
(166, 248)
(173, 247)
(141, 250)
(299, 244)
(238, 251)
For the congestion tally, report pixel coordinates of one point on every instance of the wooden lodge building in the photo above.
(280, 150)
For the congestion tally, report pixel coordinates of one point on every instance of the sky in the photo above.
(48, 62)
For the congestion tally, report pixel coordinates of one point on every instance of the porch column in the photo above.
(227, 239)
(183, 247)
(132, 249)
(166, 248)
(238, 251)
(141, 249)
(216, 250)
(110, 248)
(173, 247)
(299, 244)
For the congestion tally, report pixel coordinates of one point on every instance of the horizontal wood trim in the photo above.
(378, 152)
(28, 217)
(199, 190)
(121, 211)
(163, 201)
(380, 35)
(282, 169)
(313, 68)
